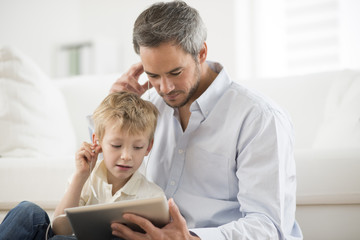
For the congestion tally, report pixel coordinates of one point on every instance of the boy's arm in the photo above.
(71, 198)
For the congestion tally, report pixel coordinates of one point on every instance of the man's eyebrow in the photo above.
(171, 71)
(175, 69)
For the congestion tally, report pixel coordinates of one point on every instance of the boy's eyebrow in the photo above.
(171, 71)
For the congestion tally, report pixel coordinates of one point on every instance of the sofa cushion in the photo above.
(83, 94)
(320, 105)
(38, 179)
(33, 117)
(340, 128)
(327, 176)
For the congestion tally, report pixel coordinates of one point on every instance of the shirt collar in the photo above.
(212, 94)
(130, 188)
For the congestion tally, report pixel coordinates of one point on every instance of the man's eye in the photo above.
(152, 76)
(175, 73)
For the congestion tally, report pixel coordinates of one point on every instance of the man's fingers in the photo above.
(175, 212)
(125, 232)
(125, 85)
(128, 83)
(118, 229)
(143, 223)
(136, 70)
(147, 85)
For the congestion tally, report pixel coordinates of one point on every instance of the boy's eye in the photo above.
(138, 148)
(116, 146)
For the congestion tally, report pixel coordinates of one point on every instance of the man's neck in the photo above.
(207, 76)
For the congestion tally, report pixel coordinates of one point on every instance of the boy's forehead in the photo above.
(117, 131)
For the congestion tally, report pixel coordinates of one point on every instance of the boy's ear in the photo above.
(95, 140)
(149, 147)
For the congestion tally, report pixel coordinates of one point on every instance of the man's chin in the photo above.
(179, 102)
(172, 104)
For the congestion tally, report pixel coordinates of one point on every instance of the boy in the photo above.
(124, 131)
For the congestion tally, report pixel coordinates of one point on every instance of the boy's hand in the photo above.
(129, 81)
(85, 157)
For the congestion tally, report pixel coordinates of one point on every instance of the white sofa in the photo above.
(325, 109)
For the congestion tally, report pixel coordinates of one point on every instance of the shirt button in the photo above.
(181, 151)
(172, 183)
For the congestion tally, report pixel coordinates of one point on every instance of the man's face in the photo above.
(173, 72)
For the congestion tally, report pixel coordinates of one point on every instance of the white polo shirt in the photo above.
(137, 187)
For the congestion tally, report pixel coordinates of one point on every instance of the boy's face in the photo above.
(123, 153)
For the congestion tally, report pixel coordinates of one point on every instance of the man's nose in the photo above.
(166, 85)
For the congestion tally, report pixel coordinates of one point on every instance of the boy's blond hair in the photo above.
(128, 112)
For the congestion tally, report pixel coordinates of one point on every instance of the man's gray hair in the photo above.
(166, 22)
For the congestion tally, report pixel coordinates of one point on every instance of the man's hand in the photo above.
(175, 230)
(129, 81)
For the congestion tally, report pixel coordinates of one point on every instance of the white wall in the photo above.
(38, 27)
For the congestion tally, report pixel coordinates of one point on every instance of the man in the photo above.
(222, 153)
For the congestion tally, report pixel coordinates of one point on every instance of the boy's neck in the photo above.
(117, 184)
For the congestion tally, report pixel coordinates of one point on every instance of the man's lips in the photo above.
(171, 96)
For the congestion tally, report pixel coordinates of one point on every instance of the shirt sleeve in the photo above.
(266, 181)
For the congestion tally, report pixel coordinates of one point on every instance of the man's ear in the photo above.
(149, 147)
(203, 54)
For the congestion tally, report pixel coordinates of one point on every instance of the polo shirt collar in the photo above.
(130, 188)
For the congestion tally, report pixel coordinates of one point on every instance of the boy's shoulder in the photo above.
(146, 188)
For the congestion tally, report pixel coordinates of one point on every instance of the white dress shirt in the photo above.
(232, 171)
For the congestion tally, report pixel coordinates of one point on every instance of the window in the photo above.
(291, 37)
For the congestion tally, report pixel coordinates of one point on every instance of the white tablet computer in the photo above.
(93, 222)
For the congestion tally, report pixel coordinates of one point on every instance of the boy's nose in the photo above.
(126, 155)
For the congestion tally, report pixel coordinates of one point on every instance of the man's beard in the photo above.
(192, 91)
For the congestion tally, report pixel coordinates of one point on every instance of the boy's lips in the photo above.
(123, 166)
